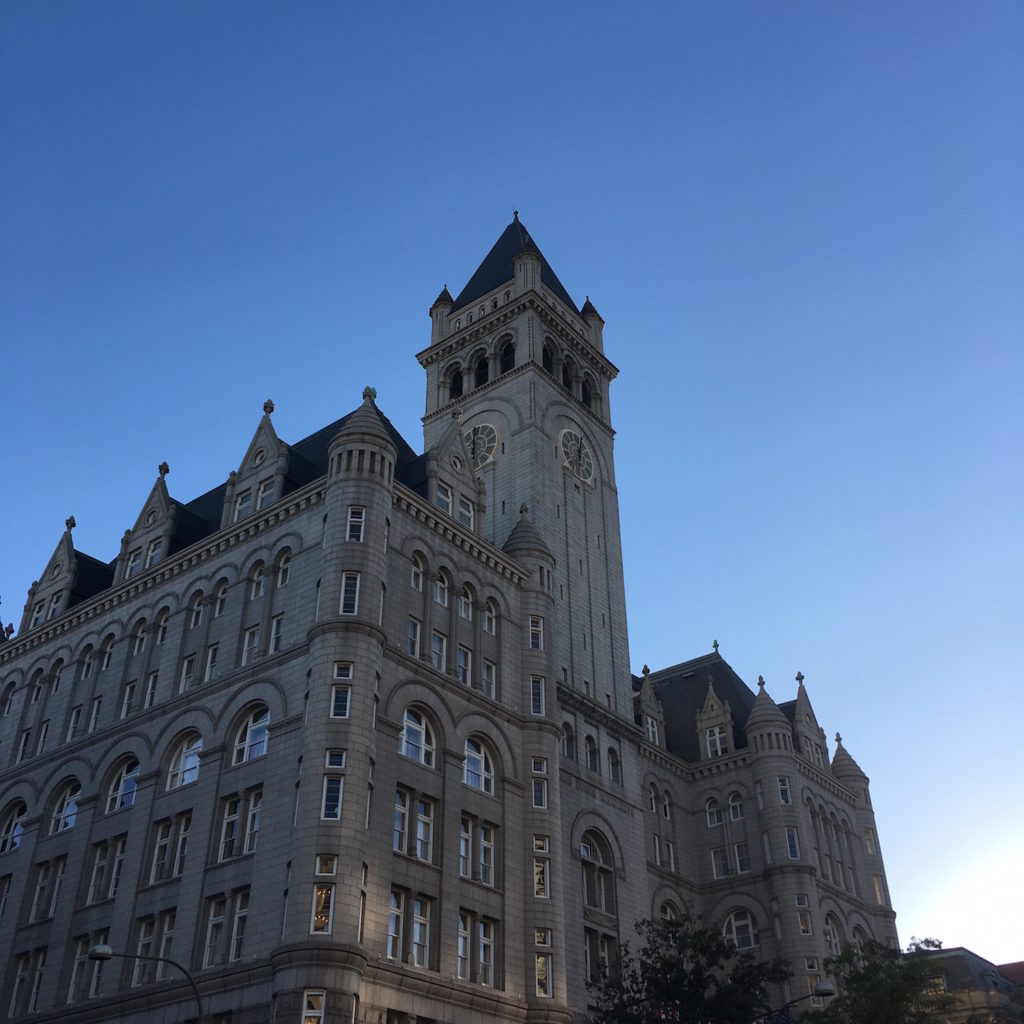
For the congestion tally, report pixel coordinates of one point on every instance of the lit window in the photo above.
(543, 974)
(313, 1006)
(323, 908)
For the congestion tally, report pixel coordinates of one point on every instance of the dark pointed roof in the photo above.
(496, 268)
(525, 538)
(445, 296)
(682, 690)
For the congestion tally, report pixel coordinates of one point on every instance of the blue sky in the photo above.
(802, 222)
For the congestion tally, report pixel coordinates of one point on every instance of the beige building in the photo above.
(354, 736)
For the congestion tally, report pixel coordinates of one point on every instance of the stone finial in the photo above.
(522, 510)
(70, 523)
(645, 670)
(457, 415)
(800, 678)
(839, 739)
(163, 469)
(714, 646)
(9, 630)
(369, 394)
(268, 406)
(760, 682)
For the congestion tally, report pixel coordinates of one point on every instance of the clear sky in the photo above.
(802, 221)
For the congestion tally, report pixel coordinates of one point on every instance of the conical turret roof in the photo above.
(764, 710)
(843, 765)
(525, 538)
(366, 419)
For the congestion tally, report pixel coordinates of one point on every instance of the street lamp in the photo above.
(103, 952)
(776, 1016)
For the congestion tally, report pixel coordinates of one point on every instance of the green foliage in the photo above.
(693, 967)
(879, 985)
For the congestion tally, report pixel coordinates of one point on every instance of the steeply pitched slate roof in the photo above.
(92, 577)
(496, 268)
(682, 690)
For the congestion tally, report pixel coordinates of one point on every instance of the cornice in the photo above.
(826, 782)
(619, 727)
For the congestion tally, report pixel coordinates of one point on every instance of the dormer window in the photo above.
(444, 498)
(153, 551)
(265, 495)
(243, 504)
(134, 563)
(716, 741)
(55, 604)
(466, 513)
(652, 729)
(37, 614)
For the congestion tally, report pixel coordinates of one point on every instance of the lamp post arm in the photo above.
(174, 963)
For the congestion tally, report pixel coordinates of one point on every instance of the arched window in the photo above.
(121, 792)
(480, 372)
(185, 762)
(593, 763)
(833, 935)
(417, 739)
(478, 770)
(585, 393)
(8, 699)
(714, 813)
(12, 827)
(416, 578)
(65, 808)
(860, 937)
(508, 357)
(465, 604)
(139, 638)
(740, 929)
(490, 618)
(106, 652)
(162, 621)
(257, 581)
(441, 587)
(652, 797)
(614, 767)
(55, 674)
(735, 807)
(668, 911)
(598, 872)
(568, 742)
(195, 610)
(220, 600)
(251, 738)
(284, 565)
(455, 387)
(567, 369)
(666, 805)
(548, 359)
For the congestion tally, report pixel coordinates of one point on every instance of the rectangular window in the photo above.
(793, 842)
(340, 700)
(464, 665)
(276, 634)
(313, 1006)
(486, 854)
(804, 920)
(413, 642)
(444, 498)
(466, 513)
(540, 868)
(38, 612)
(401, 822)
(466, 847)
(326, 864)
(44, 729)
(488, 675)
(719, 862)
(322, 920)
(670, 855)
(150, 698)
(333, 788)
(188, 668)
(73, 723)
(421, 932)
(652, 730)
(438, 650)
(184, 826)
(356, 517)
(536, 696)
(485, 964)
(336, 758)
(540, 793)
(229, 829)
(543, 974)
(55, 601)
(879, 888)
(252, 820)
(167, 921)
(742, 858)
(133, 564)
(142, 972)
(265, 495)
(216, 908)
(349, 593)
(464, 604)
(23, 742)
(657, 848)
(766, 846)
(40, 903)
(153, 551)
(396, 912)
(239, 919)
(425, 830)
(464, 942)
(536, 633)
(784, 795)
(251, 645)
(869, 841)
(242, 504)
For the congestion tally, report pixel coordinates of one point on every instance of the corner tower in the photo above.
(523, 369)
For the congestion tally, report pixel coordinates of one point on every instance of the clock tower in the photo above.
(521, 369)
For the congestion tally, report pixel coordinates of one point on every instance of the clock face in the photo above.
(482, 442)
(576, 455)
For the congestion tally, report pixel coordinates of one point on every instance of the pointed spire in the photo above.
(444, 299)
(588, 310)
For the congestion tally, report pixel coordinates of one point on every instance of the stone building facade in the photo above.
(354, 736)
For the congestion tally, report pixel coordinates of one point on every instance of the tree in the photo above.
(687, 973)
(879, 985)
